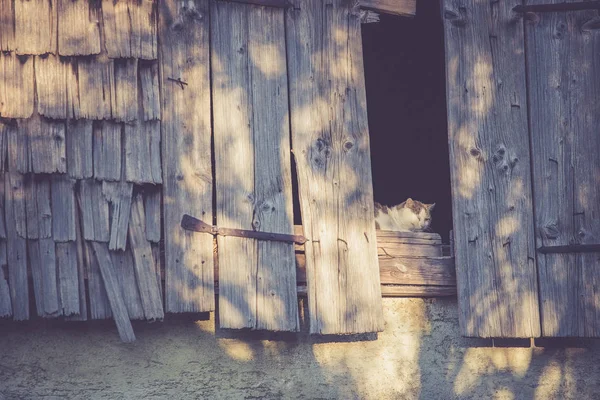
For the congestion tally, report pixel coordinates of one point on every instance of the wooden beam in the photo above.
(407, 8)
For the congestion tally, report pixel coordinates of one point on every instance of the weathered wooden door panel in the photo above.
(563, 59)
(331, 151)
(257, 279)
(186, 153)
(490, 170)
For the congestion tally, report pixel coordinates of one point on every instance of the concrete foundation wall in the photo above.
(419, 356)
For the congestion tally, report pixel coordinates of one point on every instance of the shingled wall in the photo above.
(80, 157)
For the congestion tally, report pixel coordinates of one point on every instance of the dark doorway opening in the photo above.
(406, 103)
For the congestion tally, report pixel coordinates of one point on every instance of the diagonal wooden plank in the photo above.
(118, 194)
(123, 262)
(99, 304)
(186, 131)
(331, 148)
(257, 281)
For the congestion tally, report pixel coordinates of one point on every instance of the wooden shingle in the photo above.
(150, 90)
(37, 206)
(68, 283)
(99, 305)
(64, 209)
(35, 26)
(78, 27)
(7, 25)
(5, 302)
(46, 144)
(94, 211)
(17, 142)
(80, 160)
(95, 88)
(130, 28)
(4, 127)
(153, 208)
(42, 260)
(125, 106)
(107, 150)
(142, 152)
(16, 86)
(118, 194)
(123, 262)
(51, 86)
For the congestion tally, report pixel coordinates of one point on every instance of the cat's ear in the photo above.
(410, 203)
(431, 206)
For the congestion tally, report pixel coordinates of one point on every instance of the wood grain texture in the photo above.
(93, 97)
(42, 260)
(47, 144)
(94, 211)
(5, 301)
(186, 131)
(2, 208)
(153, 211)
(142, 152)
(252, 161)
(99, 305)
(490, 171)
(118, 195)
(125, 108)
(82, 315)
(331, 151)
(19, 154)
(107, 150)
(113, 290)
(150, 90)
(35, 26)
(269, 3)
(68, 278)
(64, 209)
(78, 27)
(7, 25)
(16, 245)
(37, 205)
(51, 86)
(16, 86)
(407, 8)
(123, 262)
(80, 159)
(145, 269)
(130, 28)
(563, 66)
(4, 127)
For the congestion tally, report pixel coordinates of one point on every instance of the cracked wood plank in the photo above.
(94, 211)
(123, 262)
(118, 195)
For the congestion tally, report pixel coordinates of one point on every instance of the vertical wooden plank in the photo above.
(5, 302)
(80, 149)
(118, 194)
(95, 87)
(63, 209)
(35, 26)
(78, 27)
(4, 127)
(99, 304)
(7, 25)
(47, 144)
(490, 170)
(42, 259)
(123, 262)
(142, 152)
(126, 91)
(145, 270)
(94, 211)
(113, 289)
(16, 245)
(257, 281)
(107, 150)
(153, 208)
(144, 41)
(37, 205)
(16, 88)
(150, 90)
(186, 130)
(331, 148)
(51, 86)
(68, 278)
(19, 154)
(81, 273)
(563, 68)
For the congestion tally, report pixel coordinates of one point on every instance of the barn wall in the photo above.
(419, 355)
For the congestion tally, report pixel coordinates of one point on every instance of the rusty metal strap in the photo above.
(194, 224)
(572, 248)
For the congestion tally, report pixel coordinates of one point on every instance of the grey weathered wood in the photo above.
(95, 88)
(186, 131)
(118, 194)
(38, 209)
(46, 144)
(417, 291)
(331, 148)
(142, 152)
(113, 289)
(130, 29)
(35, 26)
(16, 246)
(19, 156)
(490, 171)
(16, 86)
(157, 254)
(68, 278)
(81, 273)
(2, 208)
(5, 302)
(405, 248)
(123, 262)
(153, 208)
(78, 27)
(64, 209)
(107, 150)
(406, 8)
(4, 127)
(42, 259)
(80, 149)
(150, 90)
(7, 25)
(99, 305)
(563, 67)
(126, 91)
(51, 86)
(270, 3)
(252, 160)
(94, 211)
(34, 260)
(145, 269)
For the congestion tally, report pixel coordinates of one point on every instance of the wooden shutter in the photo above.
(331, 150)
(563, 59)
(490, 170)
(257, 279)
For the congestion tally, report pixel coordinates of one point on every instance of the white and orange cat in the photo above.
(409, 216)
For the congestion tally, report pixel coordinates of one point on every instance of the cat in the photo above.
(409, 216)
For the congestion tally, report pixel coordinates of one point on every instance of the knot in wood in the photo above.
(456, 18)
(550, 231)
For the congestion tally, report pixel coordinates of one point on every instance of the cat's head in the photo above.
(418, 215)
